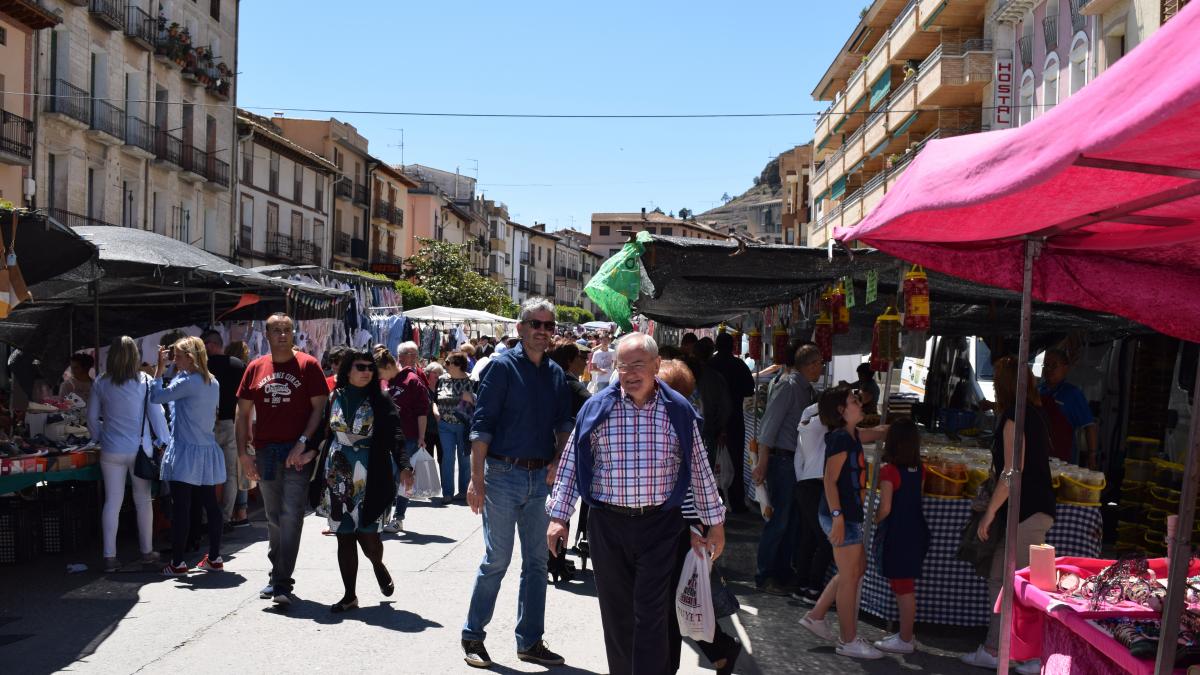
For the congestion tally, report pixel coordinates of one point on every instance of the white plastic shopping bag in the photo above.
(693, 598)
(426, 482)
(723, 471)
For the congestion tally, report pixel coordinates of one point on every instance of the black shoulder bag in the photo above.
(146, 465)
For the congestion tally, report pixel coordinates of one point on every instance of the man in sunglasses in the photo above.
(522, 420)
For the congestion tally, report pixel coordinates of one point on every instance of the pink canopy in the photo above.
(1109, 179)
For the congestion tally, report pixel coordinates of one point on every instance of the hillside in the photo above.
(742, 212)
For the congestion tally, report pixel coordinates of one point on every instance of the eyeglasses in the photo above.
(539, 325)
(364, 367)
(634, 367)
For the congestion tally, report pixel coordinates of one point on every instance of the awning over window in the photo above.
(880, 89)
(838, 189)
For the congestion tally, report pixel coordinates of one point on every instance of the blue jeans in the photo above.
(454, 446)
(853, 531)
(515, 498)
(779, 533)
(410, 448)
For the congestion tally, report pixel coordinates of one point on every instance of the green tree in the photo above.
(575, 315)
(413, 295)
(444, 270)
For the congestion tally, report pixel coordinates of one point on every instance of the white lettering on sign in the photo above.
(1003, 115)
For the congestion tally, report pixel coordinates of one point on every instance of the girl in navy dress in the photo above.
(903, 535)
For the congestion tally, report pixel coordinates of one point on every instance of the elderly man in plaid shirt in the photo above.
(635, 453)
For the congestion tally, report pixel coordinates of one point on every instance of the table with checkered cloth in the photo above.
(948, 591)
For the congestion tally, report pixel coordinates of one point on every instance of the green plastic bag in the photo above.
(617, 284)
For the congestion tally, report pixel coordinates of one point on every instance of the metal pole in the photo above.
(1013, 476)
(1181, 548)
(212, 309)
(96, 315)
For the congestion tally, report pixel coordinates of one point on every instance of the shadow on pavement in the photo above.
(419, 539)
(383, 615)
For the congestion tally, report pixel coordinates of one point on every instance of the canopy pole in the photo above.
(1181, 548)
(212, 309)
(1013, 476)
(96, 315)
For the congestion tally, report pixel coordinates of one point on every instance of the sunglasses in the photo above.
(364, 367)
(539, 325)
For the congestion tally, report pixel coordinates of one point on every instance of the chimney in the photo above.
(643, 213)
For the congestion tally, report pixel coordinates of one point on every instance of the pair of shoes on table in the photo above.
(394, 525)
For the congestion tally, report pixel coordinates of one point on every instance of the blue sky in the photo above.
(615, 57)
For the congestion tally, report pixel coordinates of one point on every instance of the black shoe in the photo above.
(775, 588)
(541, 655)
(475, 655)
(386, 585)
(344, 605)
(731, 655)
(244, 522)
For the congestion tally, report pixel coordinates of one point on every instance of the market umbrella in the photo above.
(45, 248)
(1094, 204)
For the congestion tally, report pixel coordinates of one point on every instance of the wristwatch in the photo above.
(836, 513)
(303, 439)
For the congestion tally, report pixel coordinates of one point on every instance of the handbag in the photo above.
(146, 466)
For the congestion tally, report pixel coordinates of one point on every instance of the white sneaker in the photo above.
(980, 658)
(892, 644)
(394, 525)
(858, 649)
(818, 627)
(1030, 667)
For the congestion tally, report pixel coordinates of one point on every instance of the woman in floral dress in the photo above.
(364, 452)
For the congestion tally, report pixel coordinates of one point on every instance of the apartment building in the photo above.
(568, 272)
(542, 247)
(910, 71)
(607, 238)
(389, 201)
(468, 223)
(136, 127)
(19, 22)
(341, 144)
(500, 233)
(284, 197)
(794, 168)
(520, 247)
(591, 264)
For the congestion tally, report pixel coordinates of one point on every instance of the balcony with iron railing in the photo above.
(383, 211)
(140, 27)
(1025, 46)
(70, 219)
(1079, 21)
(360, 194)
(955, 74)
(1170, 8)
(217, 172)
(307, 253)
(194, 163)
(1050, 31)
(279, 245)
(168, 148)
(344, 188)
(343, 240)
(110, 13)
(108, 123)
(358, 248)
(16, 139)
(69, 104)
(139, 136)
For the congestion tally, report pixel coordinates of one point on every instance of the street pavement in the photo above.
(137, 622)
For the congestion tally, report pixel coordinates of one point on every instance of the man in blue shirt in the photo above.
(1072, 404)
(522, 421)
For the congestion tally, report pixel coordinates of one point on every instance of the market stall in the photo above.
(437, 325)
(1094, 204)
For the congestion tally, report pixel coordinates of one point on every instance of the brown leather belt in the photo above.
(530, 464)
(630, 511)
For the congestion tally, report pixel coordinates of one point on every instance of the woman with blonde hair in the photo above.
(194, 463)
(121, 420)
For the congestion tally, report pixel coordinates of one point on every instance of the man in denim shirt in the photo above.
(286, 392)
(521, 423)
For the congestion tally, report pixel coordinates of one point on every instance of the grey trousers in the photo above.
(285, 498)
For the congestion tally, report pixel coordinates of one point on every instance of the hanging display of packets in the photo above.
(823, 336)
(779, 344)
(916, 299)
(839, 312)
(737, 341)
(755, 344)
(885, 341)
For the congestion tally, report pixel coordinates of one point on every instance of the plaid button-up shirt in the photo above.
(637, 457)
